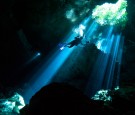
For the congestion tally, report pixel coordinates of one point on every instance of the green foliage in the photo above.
(111, 14)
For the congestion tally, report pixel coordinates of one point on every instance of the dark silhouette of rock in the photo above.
(61, 99)
(123, 100)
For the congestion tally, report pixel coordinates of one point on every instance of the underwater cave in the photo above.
(67, 57)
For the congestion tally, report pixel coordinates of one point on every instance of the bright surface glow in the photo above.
(70, 14)
(19, 99)
(111, 14)
(102, 95)
(7, 106)
(82, 27)
(116, 88)
(15, 103)
(104, 44)
(101, 44)
(80, 30)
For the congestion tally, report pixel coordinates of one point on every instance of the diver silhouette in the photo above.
(75, 42)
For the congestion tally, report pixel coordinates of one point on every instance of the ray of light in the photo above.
(46, 72)
(102, 76)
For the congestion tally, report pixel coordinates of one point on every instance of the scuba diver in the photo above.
(75, 42)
